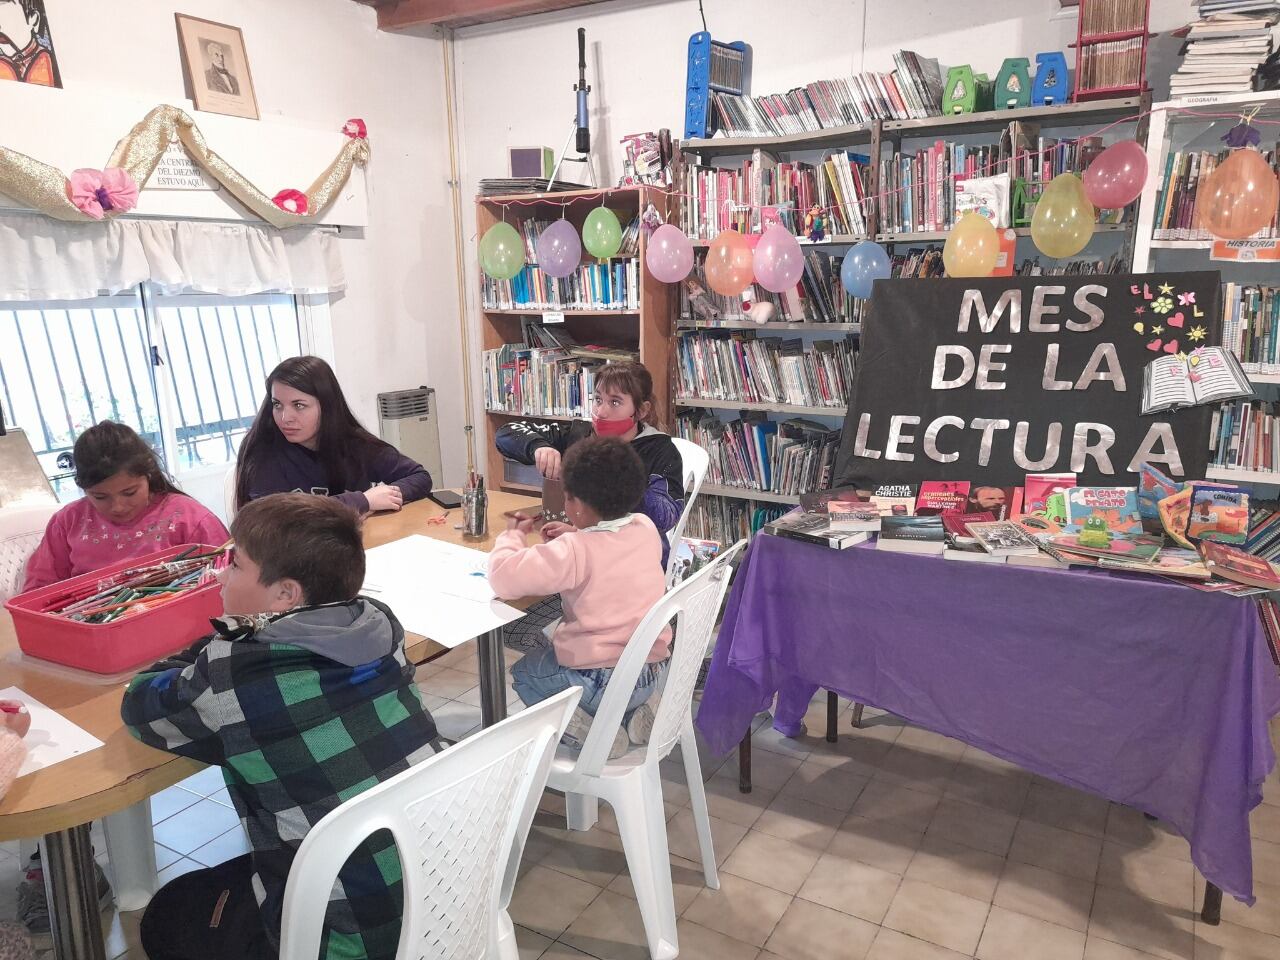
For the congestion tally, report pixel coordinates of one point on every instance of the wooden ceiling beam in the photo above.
(403, 14)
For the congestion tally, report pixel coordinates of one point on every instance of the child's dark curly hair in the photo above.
(605, 474)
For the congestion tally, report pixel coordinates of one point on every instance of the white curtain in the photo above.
(46, 259)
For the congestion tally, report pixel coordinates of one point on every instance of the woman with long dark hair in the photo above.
(306, 438)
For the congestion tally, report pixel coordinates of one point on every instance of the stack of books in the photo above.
(1225, 47)
(913, 90)
(1250, 317)
(611, 285)
(757, 454)
(762, 191)
(742, 367)
(1176, 217)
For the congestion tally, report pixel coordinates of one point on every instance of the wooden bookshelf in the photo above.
(648, 330)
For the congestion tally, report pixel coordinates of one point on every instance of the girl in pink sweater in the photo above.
(130, 508)
(608, 575)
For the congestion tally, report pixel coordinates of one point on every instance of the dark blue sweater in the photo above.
(290, 466)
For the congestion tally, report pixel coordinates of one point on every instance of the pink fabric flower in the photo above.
(355, 129)
(97, 192)
(291, 201)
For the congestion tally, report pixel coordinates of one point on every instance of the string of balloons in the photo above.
(1237, 199)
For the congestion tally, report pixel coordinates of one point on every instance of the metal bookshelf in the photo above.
(740, 493)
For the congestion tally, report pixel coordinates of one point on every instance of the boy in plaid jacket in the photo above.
(305, 699)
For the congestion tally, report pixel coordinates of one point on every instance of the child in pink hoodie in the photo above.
(608, 574)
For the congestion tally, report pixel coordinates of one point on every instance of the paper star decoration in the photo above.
(1157, 330)
(1166, 288)
(1139, 309)
(1196, 334)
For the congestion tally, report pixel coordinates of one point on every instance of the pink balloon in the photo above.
(670, 254)
(778, 261)
(559, 249)
(729, 267)
(1116, 176)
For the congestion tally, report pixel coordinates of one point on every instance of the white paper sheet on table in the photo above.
(436, 589)
(52, 737)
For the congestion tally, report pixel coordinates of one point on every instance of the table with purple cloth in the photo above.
(1147, 692)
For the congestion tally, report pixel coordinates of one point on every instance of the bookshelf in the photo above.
(1170, 132)
(647, 330)
(874, 139)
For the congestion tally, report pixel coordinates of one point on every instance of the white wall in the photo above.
(323, 61)
(515, 78)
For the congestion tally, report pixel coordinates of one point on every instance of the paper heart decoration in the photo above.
(1171, 346)
(1154, 345)
(1195, 377)
(1139, 326)
(1176, 320)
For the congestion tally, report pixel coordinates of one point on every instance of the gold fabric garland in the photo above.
(44, 188)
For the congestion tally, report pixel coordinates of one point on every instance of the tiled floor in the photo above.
(892, 844)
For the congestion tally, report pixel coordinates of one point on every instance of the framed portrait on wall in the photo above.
(216, 67)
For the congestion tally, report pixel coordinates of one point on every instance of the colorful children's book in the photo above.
(1004, 502)
(1234, 564)
(912, 534)
(1004, 538)
(1174, 511)
(1116, 507)
(1102, 543)
(942, 496)
(895, 499)
(1039, 486)
(1153, 486)
(1219, 514)
(692, 554)
(1169, 562)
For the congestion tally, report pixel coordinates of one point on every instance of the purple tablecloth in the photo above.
(1147, 692)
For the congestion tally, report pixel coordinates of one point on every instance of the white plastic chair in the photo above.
(21, 529)
(693, 465)
(632, 784)
(459, 820)
(229, 495)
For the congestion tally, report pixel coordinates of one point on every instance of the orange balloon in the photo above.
(729, 263)
(1239, 198)
(972, 247)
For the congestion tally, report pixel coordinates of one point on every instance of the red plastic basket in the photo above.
(109, 648)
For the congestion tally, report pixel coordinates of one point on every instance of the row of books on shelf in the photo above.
(728, 521)
(1245, 435)
(1250, 317)
(927, 189)
(549, 374)
(761, 191)
(737, 365)
(911, 91)
(1114, 17)
(1111, 64)
(613, 285)
(1176, 214)
(753, 453)
(531, 229)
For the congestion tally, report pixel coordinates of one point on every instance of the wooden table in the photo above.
(58, 803)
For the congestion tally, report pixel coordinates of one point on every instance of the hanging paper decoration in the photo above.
(45, 188)
(602, 233)
(1064, 219)
(729, 263)
(1115, 177)
(971, 247)
(559, 250)
(501, 252)
(669, 256)
(777, 260)
(864, 265)
(1239, 198)
(355, 129)
(98, 192)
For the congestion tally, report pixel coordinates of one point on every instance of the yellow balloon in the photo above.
(971, 248)
(1064, 220)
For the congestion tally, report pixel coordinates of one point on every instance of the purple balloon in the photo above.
(670, 254)
(778, 262)
(559, 249)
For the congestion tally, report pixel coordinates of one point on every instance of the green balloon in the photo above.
(602, 233)
(501, 252)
